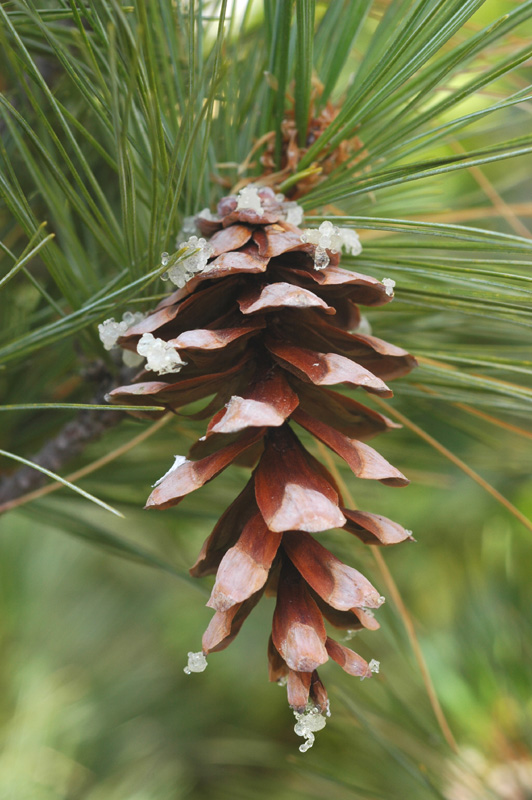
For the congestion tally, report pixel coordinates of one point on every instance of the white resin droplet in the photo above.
(327, 237)
(388, 286)
(189, 226)
(293, 212)
(179, 460)
(110, 330)
(350, 241)
(282, 681)
(198, 252)
(364, 326)
(131, 318)
(178, 275)
(196, 663)
(330, 237)
(131, 359)
(307, 723)
(248, 197)
(161, 356)
(321, 258)
(164, 259)
(349, 634)
(206, 213)
(373, 666)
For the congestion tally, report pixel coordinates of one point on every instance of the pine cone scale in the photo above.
(245, 567)
(350, 661)
(374, 529)
(339, 585)
(382, 359)
(363, 460)
(268, 402)
(341, 412)
(325, 369)
(225, 625)
(193, 474)
(290, 494)
(298, 689)
(217, 338)
(226, 532)
(298, 631)
(232, 238)
(280, 295)
(274, 240)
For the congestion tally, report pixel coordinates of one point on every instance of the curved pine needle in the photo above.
(62, 481)
(78, 406)
(471, 473)
(495, 381)
(501, 423)
(494, 420)
(402, 610)
(498, 203)
(416, 647)
(21, 262)
(481, 212)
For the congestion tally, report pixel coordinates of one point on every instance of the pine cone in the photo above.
(266, 331)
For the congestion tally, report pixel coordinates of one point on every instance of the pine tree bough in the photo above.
(69, 442)
(266, 330)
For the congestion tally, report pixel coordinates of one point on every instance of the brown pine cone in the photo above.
(265, 331)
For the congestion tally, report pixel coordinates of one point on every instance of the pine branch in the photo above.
(71, 440)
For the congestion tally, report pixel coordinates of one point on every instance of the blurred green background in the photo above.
(97, 613)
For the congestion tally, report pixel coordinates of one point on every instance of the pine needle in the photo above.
(457, 461)
(62, 481)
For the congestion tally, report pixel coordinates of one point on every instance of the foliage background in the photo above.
(117, 121)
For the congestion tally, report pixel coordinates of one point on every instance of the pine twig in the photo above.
(71, 440)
